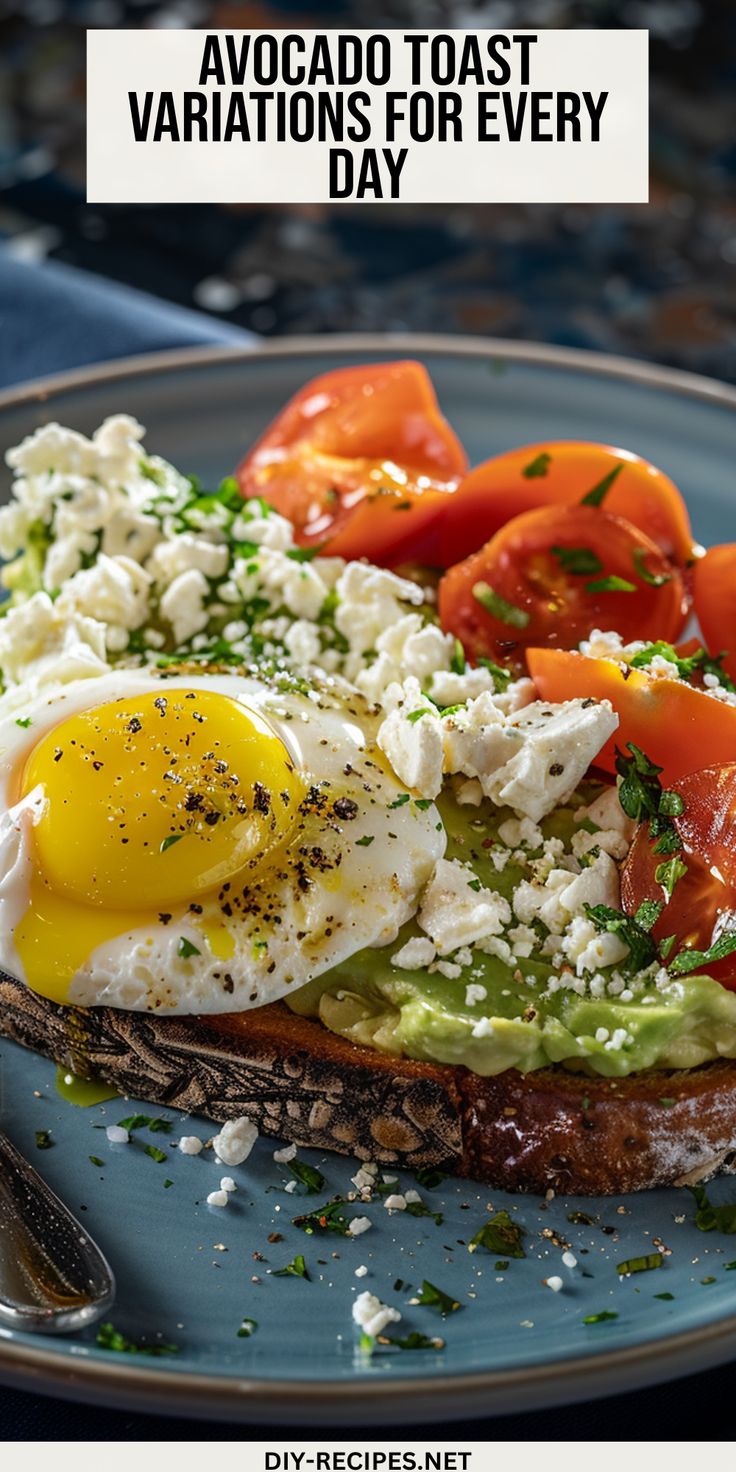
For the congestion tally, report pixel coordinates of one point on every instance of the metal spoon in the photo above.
(53, 1277)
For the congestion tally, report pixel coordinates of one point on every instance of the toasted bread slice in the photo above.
(548, 1129)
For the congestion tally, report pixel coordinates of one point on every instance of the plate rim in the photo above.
(402, 1398)
(632, 370)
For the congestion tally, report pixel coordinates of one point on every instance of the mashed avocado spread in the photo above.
(618, 1021)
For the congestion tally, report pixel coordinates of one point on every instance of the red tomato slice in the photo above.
(714, 588)
(702, 907)
(679, 727)
(562, 472)
(361, 460)
(555, 574)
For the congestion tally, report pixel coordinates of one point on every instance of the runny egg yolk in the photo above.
(151, 802)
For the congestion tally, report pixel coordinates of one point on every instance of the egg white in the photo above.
(359, 897)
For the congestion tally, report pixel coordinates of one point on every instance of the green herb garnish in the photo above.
(655, 580)
(537, 467)
(327, 1218)
(640, 1264)
(415, 1340)
(365, 841)
(169, 841)
(433, 1297)
(642, 948)
(610, 584)
(600, 1318)
(43, 1140)
(580, 562)
(691, 960)
(499, 1234)
(599, 492)
(501, 677)
(429, 1177)
(670, 873)
(247, 1327)
(95, 1160)
(153, 1151)
(23, 721)
(457, 662)
(665, 1297)
(295, 1269)
(498, 607)
(156, 1124)
(416, 715)
(110, 1338)
(710, 1218)
(308, 1175)
(185, 949)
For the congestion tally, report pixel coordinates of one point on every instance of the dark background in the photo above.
(655, 280)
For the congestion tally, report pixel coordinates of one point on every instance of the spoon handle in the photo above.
(53, 1277)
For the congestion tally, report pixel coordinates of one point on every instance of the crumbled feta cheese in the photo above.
(283, 1156)
(227, 1184)
(475, 992)
(359, 1225)
(183, 605)
(449, 969)
(235, 1141)
(395, 1202)
(362, 1271)
(290, 1187)
(412, 1197)
(117, 1134)
(559, 744)
(218, 1198)
(569, 1259)
(453, 914)
(191, 1145)
(369, 600)
(414, 955)
(411, 738)
(372, 1316)
(555, 1283)
(40, 645)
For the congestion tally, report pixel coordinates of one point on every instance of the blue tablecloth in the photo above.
(53, 317)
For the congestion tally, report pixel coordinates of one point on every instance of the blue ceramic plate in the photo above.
(188, 1274)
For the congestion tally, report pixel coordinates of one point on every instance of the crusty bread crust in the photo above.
(550, 1129)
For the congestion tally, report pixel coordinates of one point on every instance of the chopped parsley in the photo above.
(643, 798)
(691, 960)
(401, 800)
(365, 841)
(642, 1264)
(308, 1175)
(500, 1234)
(296, 1269)
(665, 1297)
(109, 1337)
(501, 677)
(429, 1177)
(418, 1208)
(633, 931)
(247, 1328)
(185, 949)
(327, 1218)
(602, 1318)
(43, 1140)
(498, 607)
(416, 715)
(655, 580)
(95, 1160)
(580, 562)
(687, 665)
(457, 662)
(432, 1297)
(669, 874)
(710, 1218)
(538, 466)
(610, 584)
(169, 841)
(24, 721)
(156, 1124)
(153, 1151)
(597, 495)
(415, 1340)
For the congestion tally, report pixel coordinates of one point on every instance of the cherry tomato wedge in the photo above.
(679, 727)
(714, 589)
(562, 472)
(361, 460)
(555, 574)
(702, 906)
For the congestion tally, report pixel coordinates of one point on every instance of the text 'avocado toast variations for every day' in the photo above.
(376, 799)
